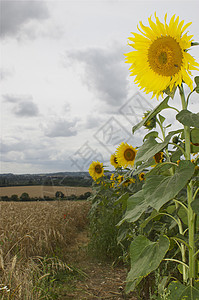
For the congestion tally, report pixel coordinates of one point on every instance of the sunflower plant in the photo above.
(162, 65)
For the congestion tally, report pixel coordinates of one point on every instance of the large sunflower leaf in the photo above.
(151, 147)
(159, 189)
(188, 118)
(136, 205)
(145, 258)
(153, 113)
(179, 291)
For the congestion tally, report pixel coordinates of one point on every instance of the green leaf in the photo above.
(145, 257)
(195, 206)
(161, 118)
(136, 205)
(159, 189)
(153, 113)
(196, 79)
(179, 291)
(151, 134)
(194, 134)
(188, 118)
(151, 147)
(172, 92)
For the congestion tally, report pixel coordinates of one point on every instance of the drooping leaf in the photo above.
(151, 147)
(152, 133)
(159, 189)
(188, 118)
(179, 291)
(154, 112)
(136, 205)
(145, 258)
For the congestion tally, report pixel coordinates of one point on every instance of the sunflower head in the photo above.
(129, 181)
(141, 176)
(126, 155)
(96, 170)
(150, 124)
(160, 61)
(158, 157)
(113, 161)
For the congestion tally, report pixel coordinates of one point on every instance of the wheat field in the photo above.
(41, 191)
(30, 232)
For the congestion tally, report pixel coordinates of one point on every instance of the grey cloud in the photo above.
(5, 73)
(61, 128)
(26, 109)
(92, 122)
(14, 14)
(105, 72)
(23, 105)
(11, 98)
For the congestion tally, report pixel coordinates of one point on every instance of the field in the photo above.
(43, 254)
(41, 191)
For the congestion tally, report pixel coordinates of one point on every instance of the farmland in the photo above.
(41, 191)
(44, 255)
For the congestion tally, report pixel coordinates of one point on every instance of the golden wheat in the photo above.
(30, 232)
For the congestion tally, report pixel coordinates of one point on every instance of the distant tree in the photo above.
(14, 198)
(59, 194)
(24, 197)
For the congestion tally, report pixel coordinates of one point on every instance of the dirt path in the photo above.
(100, 280)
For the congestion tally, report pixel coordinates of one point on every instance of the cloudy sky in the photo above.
(66, 94)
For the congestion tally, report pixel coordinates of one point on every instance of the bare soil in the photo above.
(101, 280)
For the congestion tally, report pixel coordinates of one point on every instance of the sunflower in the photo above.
(141, 176)
(96, 170)
(161, 59)
(129, 181)
(112, 178)
(158, 157)
(113, 161)
(125, 155)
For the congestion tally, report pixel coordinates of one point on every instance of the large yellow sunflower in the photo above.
(125, 155)
(96, 170)
(161, 59)
(113, 161)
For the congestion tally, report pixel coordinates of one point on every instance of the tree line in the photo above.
(58, 196)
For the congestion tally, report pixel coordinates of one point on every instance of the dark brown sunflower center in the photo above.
(158, 157)
(98, 169)
(129, 154)
(165, 56)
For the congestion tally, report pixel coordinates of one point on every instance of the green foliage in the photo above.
(178, 291)
(159, 217)
(145, 258)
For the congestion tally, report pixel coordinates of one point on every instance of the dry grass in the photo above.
(41, 191)
(28, 233)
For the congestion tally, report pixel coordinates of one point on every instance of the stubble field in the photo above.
(41, 191)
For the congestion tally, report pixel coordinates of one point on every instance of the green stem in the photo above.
(191, 215)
